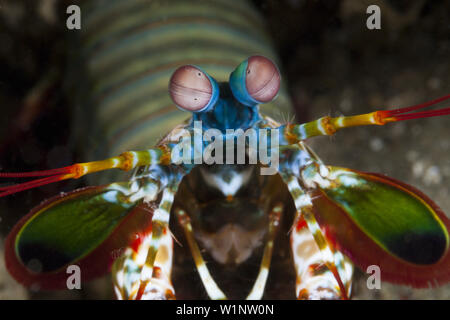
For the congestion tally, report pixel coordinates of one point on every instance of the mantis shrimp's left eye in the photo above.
(192, 89)
(262, 79)
(254, 81)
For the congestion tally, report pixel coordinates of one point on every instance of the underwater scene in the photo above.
(172, 149)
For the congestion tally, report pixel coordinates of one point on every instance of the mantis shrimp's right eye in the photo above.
(192, 89)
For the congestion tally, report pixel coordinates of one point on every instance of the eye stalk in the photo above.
(192, 89)
(256, 80)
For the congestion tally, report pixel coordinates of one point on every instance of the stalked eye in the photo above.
(263, 79)
(192, 89)
(256, 80)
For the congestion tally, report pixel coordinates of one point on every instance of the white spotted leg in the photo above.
(314, 279)
(322, 273)
(160, 226)
(126, 270)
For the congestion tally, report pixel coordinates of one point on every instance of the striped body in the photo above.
(129, 50)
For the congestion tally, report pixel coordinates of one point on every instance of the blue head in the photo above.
(229, 105)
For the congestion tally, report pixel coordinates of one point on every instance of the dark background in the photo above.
(333, 65)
